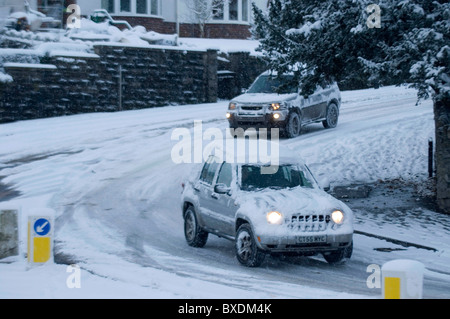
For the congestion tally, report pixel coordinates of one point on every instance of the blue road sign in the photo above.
(42, 226)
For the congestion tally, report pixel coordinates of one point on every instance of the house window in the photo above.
(154, 7)
(141, 6)
(244, 10)
(218, 9)
(233, 10)
(108, 5)
(125, 5)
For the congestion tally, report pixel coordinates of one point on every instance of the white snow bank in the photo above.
(104, 32)
(52, 281)
(222, 45)
(49, 47)
(90, 33)
(305, 29)
(5, 78)
(29, 65)
(34, 19)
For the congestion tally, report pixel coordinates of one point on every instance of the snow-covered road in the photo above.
(114, 190)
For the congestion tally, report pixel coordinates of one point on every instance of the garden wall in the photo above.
(113, 78)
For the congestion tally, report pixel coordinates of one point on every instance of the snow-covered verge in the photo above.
(110, 183)
(53, 281)
(79, 42)
(89, 33)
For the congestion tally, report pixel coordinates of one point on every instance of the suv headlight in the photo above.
(337, 216)
(274, 218)
(232, 106)
(277, 106)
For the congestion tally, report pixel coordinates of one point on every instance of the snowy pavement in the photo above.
(110, 183)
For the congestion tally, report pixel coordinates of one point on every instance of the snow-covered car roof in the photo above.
(256, 151)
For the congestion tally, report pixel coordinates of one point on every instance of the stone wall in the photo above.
(9, 238)
(115, 78)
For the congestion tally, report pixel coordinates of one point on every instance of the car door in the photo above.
(224, 203)
(203, 188)
(218, 208)
(327, 95)
(323, 97)
(314, 106)
(306, 106)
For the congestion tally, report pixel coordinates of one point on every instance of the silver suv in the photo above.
(264, 105)
(285, 212)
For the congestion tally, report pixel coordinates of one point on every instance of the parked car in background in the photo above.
(285, 212)
(265, 106)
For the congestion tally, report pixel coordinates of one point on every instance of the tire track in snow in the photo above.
(369, 148)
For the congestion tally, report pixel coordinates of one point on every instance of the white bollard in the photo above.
(402, 279)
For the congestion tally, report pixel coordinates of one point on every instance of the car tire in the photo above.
(349, 251)
(247, 252)
(332, 118)
(293, 125)
(195, 236)
(338, 256)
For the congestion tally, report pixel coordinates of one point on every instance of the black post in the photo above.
(120, 88)
(430, 158)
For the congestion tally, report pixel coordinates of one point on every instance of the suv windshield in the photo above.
(272, 84)
(287, 176)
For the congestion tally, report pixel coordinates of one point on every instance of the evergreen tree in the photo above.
(358, 44)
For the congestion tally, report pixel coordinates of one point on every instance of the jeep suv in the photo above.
(284, 212)
(271, 102)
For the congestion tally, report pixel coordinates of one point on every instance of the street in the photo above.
(115, 193)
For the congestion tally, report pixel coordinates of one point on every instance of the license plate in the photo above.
(311, 239)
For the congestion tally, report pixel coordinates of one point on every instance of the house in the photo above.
(229, 19)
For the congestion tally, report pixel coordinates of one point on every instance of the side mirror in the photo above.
(222, 189)
(243, 91)
(324, 183)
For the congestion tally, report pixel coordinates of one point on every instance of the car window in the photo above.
(272, 84)
(204, 172)
(209, 170)
(287, 176)
(225, 175)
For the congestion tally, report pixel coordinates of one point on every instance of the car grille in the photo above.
(249, 120)
(251, 107)
(309, 223)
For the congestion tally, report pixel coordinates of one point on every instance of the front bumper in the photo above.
(266, 120)
(304, 243)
